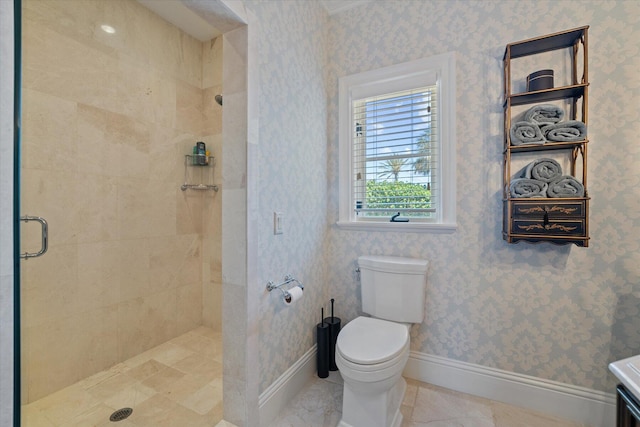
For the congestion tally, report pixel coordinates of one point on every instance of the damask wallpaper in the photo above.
(555, 312)
(292, 177)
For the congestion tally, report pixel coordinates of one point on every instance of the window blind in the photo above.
(395, 154)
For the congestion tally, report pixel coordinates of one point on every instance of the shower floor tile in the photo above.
(178, 383)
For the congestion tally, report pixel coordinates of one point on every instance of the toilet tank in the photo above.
(393, 288)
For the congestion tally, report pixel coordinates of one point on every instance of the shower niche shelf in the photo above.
(198, 174)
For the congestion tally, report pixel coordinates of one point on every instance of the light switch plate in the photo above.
(278, 223)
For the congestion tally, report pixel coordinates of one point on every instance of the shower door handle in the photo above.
(45, 236)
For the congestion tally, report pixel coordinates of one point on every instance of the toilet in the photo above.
(371, 352)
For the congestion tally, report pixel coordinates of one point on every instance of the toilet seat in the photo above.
(374, 342)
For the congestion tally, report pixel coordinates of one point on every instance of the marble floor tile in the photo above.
(319, 404)
(510, 416)
(434, 404)
(179, 384)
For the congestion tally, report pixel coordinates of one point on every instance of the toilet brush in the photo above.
(334, 329)
(323, 338)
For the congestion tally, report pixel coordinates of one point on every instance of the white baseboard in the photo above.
(590, 407)
(275, 398)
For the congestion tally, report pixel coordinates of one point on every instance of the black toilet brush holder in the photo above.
(323, 339)
(334, 330)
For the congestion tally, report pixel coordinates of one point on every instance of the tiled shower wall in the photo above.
(133, 261)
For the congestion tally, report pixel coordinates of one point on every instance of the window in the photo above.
(397, 147)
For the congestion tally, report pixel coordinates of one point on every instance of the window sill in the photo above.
(397, 227)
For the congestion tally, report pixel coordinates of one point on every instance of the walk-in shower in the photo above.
(126, 302)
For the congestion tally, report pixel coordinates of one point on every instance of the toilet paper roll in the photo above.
(295, 294)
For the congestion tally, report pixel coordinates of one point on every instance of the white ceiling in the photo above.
(183, 17)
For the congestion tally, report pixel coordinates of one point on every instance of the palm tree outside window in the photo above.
(393, 152)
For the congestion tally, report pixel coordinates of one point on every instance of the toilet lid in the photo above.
(367, 341)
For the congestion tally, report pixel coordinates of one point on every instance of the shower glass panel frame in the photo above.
(17, 113)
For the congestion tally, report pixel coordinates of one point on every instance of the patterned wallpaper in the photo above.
(292, 177)
(555, 312)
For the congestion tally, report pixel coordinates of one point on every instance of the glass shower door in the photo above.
(112, 99)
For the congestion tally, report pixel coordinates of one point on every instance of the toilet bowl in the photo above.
(371, 355)
(371, 352)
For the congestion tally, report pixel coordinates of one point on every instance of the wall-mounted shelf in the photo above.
(198, 160)
(551, 146)
(559, 220)
(203, 163)
(572, 91)
(546, 43)
(185, 187)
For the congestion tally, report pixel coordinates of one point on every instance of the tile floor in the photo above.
(177, 384)
(425, 405)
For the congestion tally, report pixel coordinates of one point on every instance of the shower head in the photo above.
(218, 99)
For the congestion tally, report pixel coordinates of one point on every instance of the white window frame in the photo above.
(395, 78)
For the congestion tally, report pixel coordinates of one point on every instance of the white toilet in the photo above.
(371, 352)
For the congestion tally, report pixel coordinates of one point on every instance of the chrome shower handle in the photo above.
(45, 236)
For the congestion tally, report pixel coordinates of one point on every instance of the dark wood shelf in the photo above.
(516, 238)
(549, 146)
(573, 91)
(546, 43)
(559, 221)
(557, 200)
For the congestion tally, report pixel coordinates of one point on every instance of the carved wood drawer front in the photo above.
(565, 210)
(552, 227)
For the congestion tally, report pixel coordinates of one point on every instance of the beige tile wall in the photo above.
(133, 261)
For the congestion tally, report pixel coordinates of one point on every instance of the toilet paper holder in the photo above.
(288, 279)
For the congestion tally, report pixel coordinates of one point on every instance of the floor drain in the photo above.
(120, 414)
